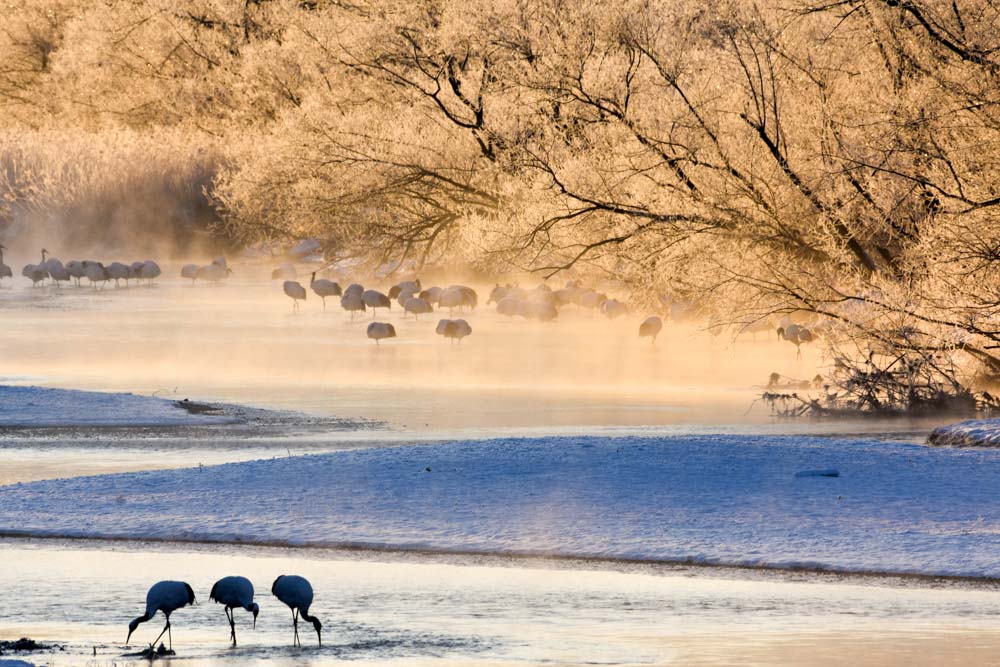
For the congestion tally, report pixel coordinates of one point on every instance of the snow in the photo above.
(735, 500)
(971, 433)
(40, 406)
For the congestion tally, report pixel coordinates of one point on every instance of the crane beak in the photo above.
(319, 638)
(128, 638)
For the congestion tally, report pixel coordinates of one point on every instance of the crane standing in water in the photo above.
(297, 593)
(165, 596)
(235, 592)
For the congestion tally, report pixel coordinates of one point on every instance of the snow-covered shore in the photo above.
(712, 499)
(971, 433)
(41, 407)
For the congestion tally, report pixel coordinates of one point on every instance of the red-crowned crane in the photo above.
(324, 288)
(150, 271)
(374, 299)
(295, 291)
(796, 334)
(453, 329)
(190, 271)
(235, 592)
(297, 593)
(352, 302)
(651, 327)
(416, 305)
(165, 596)
(380, 330)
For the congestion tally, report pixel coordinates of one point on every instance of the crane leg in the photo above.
(166, 628)
(232, 624)
(295, 625)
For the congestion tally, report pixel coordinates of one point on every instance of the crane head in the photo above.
(318, 627)
(133, 624)
(255, 609)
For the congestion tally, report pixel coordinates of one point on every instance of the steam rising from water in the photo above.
(240, 341)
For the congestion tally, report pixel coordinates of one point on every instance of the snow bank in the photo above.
(972, 433)
(38, 406)
(711, 499)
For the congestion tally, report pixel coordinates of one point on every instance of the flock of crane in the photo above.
(233, 593)
(76, 270)
(541, 303)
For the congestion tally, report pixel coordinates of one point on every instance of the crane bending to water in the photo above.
(297, 593)
(235, 592)
(165, 596)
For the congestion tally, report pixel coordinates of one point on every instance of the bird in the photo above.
(613, 308)
(190, 271)
(235, 592)
(498, 292)
(453, 329)
(95, 272)
(36, 272)
(76, 271)
(469, 297)
(354, 288)
(214, 272)
(135, 269)
(796, 334)
(58, 272)
(352, 302)
(590, 299)
(296, 291)
(165, 596)
(118, 271)
(285, 272)
(410, 286)
(374, 299)
(451, 298)
(297, 593)
(150, 271)
(416, 305)
(5, 271)
(534, 310)
(651, 327)
(324, 288)
(431, 295)
(379, 330)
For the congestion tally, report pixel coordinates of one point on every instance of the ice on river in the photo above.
(713, 499)
(40, 406)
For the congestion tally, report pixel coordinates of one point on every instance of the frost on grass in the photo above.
(971, 433)
(710, 499)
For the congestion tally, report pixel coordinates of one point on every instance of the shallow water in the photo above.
(422, 610)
